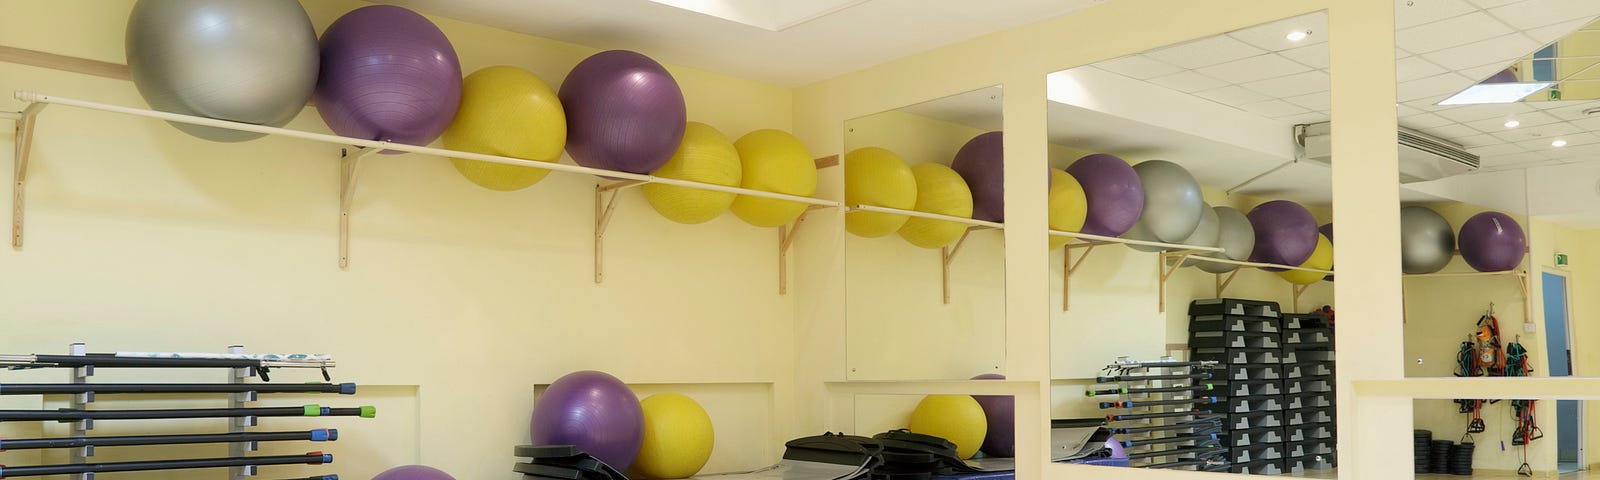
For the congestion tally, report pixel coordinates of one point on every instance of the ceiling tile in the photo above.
(1501, 50)
(1423, 121)
(1566, 110)
(1187, 81)
(1573, 140)
(1469, 113)
(1273, 108)
(1272, 36)
(1205, 52)
(1443, 84)
(1308, 117)
(1291, 85)
(1480, 73)
(1138, 66)
(1411, 14)
(1407, 110)
(1401, 53)
(1492, 3)
(1320, 101)
(1585, 152)
(1550, 33)
(1479, 140)
(1515, 159)
(1314, 56)
(1260, 67)
(1543, 133)
(1431, 103)
(1498, 124)
(1232, 96)
(1412, 68)
(1451, 132)
(1450, 32)
(1496, 150)
(1590, 124)
(1538, 13)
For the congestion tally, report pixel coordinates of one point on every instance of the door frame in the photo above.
(1566, 277)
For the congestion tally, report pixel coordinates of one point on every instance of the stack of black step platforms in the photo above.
(1308, 382)
(1245, 338)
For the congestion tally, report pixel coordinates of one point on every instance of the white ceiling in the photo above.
(978, 109)
(852, 38)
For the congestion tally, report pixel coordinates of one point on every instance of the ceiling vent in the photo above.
(1423, 157)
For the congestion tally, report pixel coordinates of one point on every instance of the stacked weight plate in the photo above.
(1245, 338)
(1439, 456)
(1420, 439)
(1461, 458)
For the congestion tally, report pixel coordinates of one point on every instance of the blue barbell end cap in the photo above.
(333, 434)
(327, 458)
(319, 435)
(347, 389)
(327, 411)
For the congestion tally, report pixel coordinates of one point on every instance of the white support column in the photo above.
(1366, 204)
(1028, 266)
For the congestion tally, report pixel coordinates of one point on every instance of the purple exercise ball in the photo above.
(1492, 242)
(593, 411)
(1114, 192)
(981, 162)
(624, 112)
(1327, 231)
(999, 410)
(413, 472)
(1286, 233)
(387, 74)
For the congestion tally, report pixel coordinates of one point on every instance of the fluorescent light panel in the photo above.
(1484, 93)
(774, 15)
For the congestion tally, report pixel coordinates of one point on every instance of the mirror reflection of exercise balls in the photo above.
(1112, 188)
(1327, 231)
(877, 177)
(249, 61)
(773, 161)
(1172, 204)
(981, 161)
(506, 111)
(593, 411)
(706, 156)
(625, 112)
(678, 437)
(1493, 242)
(957, 418)
(1068, 206)
(413, 472)
(1235, 236)
(1321, 259)
(1286, 233)
(388, 74)
(1205, 234)
(939, 190)
(1427, 243)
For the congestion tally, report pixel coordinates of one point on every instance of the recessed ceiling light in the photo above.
(1558, 143)
(1512, 123)
(1297, 35)
(1495, 93)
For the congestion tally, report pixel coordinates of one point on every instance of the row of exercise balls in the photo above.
(666, 435)
(386, 73)
(1488, 241)
(971, 422)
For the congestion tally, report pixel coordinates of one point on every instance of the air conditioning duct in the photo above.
(1423, 157)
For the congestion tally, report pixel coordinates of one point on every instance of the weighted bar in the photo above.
(1154, 403)
(1183, 463)
(114, 360)
(1175, 451)
(118, 388)
(1129, 391)
(1164, 364)
(1135, 378)
(1212, 423)
(1176, 439)
(318, 435)
(313, 458)
(70, 415)
(1144, 416)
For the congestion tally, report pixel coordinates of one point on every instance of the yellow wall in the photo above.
(143, 238)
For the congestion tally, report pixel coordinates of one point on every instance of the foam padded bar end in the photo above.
(347, 389)
(369, 411)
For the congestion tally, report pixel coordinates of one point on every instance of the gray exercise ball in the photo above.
(1205, 234)
(1427, 243)
(1235, 236)
(1172, 204)
(249, 61)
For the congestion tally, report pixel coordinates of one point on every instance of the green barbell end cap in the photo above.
(1124, 390)
(369, 411)
(1088, 393)
(313, 410)
(1209, 387)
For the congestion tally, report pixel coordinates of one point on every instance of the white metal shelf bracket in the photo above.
(349, 168)
(24, 149)
(1068, 267)
(786, 236)
(1166, 265)
(605, 203)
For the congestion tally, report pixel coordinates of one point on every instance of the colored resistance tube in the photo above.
(313, 458)
(318, 435)
(69, 415)
(119, 388)
(1175, 451)
(1135, 378)
(1152, 403)
(1177, 439)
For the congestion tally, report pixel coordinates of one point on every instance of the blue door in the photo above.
(1560, 364)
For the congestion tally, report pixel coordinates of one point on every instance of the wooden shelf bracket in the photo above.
(1167, 264)
(1069, 266)
(605, 204)
(26, 119)
(786, 236)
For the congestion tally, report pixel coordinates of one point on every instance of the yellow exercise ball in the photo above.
(939, 190)
(877, 177)
(773, 161)
(510, 112)
(1068, 205)
(957, 418)
(677, 437)
(704, 156)
(1321, 259)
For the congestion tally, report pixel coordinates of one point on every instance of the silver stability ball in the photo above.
(1427, 243)
(1205, 235)
(1235, 236)
(249, 61)
(1172, 204)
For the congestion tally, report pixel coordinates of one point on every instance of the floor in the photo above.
(1579, 475)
